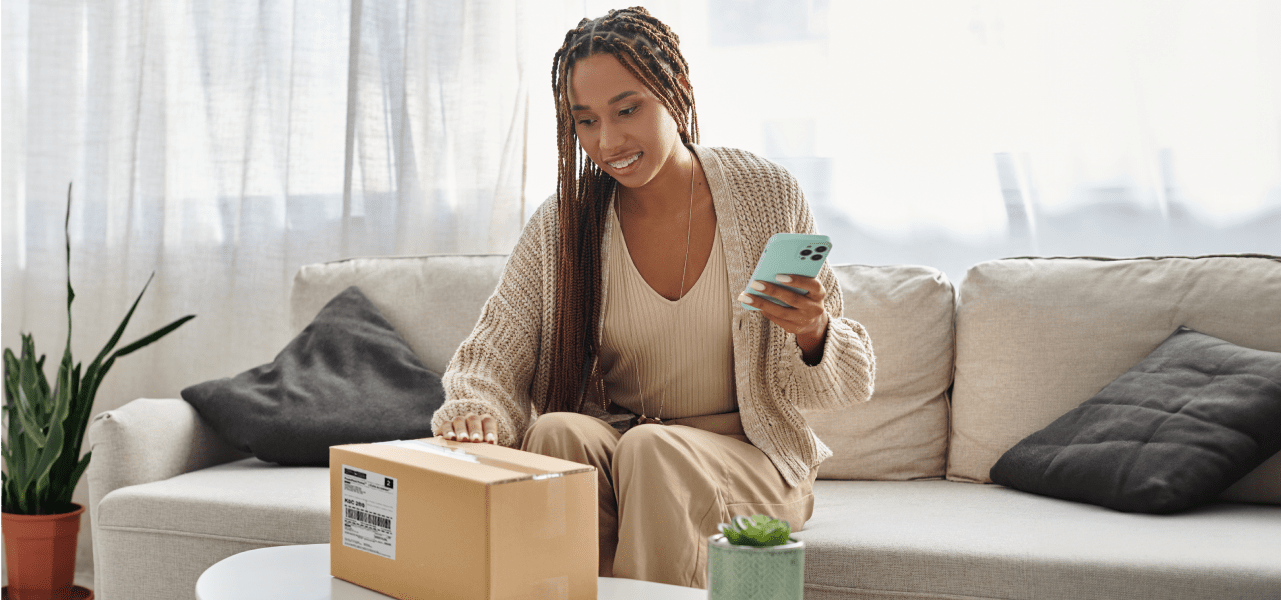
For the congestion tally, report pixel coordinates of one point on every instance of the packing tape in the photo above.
(429, 448)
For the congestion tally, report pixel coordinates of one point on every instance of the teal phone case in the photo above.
(789, 254)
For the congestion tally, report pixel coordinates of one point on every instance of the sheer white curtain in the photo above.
(946, 133)
(225, 144)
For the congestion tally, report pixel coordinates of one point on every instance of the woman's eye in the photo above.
(586, 122)
(628, 111)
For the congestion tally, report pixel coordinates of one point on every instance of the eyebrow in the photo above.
(611, 101)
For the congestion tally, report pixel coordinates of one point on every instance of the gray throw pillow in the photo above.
(347, 378)
(1187, 422)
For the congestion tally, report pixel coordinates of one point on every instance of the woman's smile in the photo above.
(626, 165)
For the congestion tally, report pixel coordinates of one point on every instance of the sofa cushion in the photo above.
(247, 500)
(945, 539)
(347, 378)
(152, 541)
(902, 432)
(432, 301)
(1037, 337)
(1189, 420)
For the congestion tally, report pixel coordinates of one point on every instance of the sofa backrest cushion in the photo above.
(433, 302)
(1037, 337)
(901, 433)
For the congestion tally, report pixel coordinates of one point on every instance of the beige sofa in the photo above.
(902, 510)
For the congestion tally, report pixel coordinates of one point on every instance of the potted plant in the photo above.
(46, 426)
(755, 558)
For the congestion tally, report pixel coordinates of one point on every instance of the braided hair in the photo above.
(650, 51)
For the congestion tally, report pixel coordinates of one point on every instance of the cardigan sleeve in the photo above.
(492, 370)
(846, 374)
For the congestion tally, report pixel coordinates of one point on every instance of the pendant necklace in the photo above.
(644, 420)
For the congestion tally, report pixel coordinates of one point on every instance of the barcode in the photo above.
(364, 517)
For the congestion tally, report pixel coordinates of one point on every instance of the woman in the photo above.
(619, 305)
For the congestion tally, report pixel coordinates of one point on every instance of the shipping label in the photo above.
(369, 511)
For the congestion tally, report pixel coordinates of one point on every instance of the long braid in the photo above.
(651, 52)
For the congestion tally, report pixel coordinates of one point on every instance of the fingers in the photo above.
(489, 427)
(806, 313)
(813, 301)
(809, 284)
(473, 428)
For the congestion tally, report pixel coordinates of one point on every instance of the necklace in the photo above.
(688, 227)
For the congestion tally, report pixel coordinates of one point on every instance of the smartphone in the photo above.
(789, 254)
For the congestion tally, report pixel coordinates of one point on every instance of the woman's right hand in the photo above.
(472, 428)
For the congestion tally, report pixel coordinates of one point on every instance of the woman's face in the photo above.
(620, 124)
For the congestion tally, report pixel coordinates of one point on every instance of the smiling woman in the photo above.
(617, 324)
(618, 132)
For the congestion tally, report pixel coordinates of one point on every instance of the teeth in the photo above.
(622, 164)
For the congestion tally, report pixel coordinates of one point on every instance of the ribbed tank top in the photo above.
(679, 352)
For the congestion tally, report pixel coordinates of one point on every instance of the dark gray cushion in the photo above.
(1189, 420)
(347, 378)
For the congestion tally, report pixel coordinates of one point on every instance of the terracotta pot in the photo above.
(41, 550)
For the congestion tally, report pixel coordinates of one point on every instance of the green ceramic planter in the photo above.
(755, 573)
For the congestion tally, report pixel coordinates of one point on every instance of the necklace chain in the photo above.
(689, 226)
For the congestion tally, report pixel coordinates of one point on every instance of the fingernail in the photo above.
(756, 285)
(783, 278)
(745, 299)
(475, 437)
(449, 435)
(489, 437)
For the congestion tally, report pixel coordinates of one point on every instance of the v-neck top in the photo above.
(679, 352)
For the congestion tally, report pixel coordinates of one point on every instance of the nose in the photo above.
(610, 139)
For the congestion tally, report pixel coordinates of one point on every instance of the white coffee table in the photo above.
(302, 573)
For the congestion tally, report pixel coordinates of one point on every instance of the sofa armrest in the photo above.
(150, 440)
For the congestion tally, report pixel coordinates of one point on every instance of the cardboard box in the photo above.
(432, 518)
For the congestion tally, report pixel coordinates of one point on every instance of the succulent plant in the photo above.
(756, 530)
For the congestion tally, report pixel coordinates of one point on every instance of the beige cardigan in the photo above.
(499, 370)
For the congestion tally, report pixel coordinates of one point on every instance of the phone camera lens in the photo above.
(805, 252)
(817, 257)
(821, 249)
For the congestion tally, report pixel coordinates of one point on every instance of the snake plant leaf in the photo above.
(30, 422)
(76, 421)
(44, 462)
(63, 497)
(115, 337)
(30, 373)
(21, 478)
(10, 492)
(10, 382)
(155, 335)
(62, 392)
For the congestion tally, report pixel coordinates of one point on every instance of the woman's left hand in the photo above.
(806, 318)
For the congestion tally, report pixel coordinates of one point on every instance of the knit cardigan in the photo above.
(499, 369)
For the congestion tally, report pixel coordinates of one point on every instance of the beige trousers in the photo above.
(664, 488)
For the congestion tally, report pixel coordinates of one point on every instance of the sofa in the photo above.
(904, 509)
